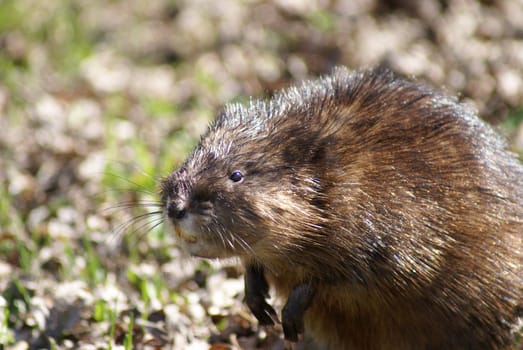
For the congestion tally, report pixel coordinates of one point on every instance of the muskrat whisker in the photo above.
(144, 228)
(120, 190)
(228, 239)
(136, 186)
(229, 242)
(144, 215)
(155, 223)
(120, 229)
(221, 235)
(133, 205)
(140, 170)
(243, 244)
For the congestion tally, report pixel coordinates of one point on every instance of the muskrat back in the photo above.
(387, 214)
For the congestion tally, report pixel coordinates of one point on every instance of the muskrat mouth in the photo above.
(182, 235)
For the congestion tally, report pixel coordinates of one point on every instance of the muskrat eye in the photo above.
(236, 176)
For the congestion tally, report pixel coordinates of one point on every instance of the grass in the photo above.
(128, 342)
(68, 44)
(6, 334)
(10, 219)
(94, 273)
(322, 20)
(510, 126)
(112, 329)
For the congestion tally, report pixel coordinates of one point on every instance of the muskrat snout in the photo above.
(188, 213)
(175, 211)
(173, 194)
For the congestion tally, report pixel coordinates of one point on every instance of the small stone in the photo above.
(107, 72)
(37, 217)
(92, 168)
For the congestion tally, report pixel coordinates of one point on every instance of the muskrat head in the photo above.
(237, 192)
(204, 203)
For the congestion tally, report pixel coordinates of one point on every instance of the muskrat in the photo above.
(385, 213)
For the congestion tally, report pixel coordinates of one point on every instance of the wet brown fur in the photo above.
(396, 202)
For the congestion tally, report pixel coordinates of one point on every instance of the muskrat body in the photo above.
(387, 214)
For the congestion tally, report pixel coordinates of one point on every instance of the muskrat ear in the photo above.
(236, 176)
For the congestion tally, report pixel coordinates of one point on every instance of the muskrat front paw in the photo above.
(256, 291)
(261, 310)
(294, 310)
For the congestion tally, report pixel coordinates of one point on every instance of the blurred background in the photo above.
(100, 99)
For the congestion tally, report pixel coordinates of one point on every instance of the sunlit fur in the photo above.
(394, 200)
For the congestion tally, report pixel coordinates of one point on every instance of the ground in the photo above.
(100, 99)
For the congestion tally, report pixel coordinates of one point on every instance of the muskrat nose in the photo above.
(175, 212)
